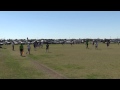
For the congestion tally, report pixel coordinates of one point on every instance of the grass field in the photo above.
(71, 62)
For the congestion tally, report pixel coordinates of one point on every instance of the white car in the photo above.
(7, 42)
(1, 43)
(16, 43)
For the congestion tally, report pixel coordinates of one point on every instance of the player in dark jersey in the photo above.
(47, 47)
(86, 43)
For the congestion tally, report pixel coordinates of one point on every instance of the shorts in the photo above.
(21, 50)
(28, 49)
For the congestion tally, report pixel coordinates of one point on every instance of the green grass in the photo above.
(71, 61)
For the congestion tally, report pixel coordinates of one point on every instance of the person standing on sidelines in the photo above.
(47, 47)
(39, 44)
(96, 45)
(13, 46)
(27, 38)
(71, 43)
(35, 45)
(118, 42)
(107, 43)
(28, 46)
(86, 43)
(42, 43)
(93, 42)
(21, 49)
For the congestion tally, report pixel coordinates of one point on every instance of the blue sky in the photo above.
(59, 24)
